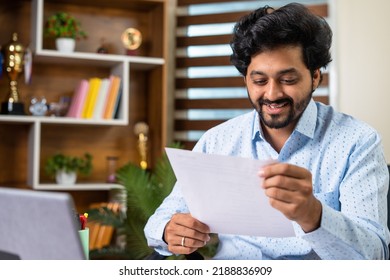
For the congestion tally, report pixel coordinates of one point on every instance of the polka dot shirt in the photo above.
(350, 178)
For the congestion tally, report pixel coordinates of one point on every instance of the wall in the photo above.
(362, 60)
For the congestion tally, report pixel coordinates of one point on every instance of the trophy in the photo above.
(13, 61)
(141, 129)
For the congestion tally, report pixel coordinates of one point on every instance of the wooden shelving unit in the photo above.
(27, 140)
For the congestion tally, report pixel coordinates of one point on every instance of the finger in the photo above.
(184, 225)
(178, 249)
(186, 220)
(185, 245)
(186, 241)
(282, 182)
(190, 234)
(283, 169)
(279, 194)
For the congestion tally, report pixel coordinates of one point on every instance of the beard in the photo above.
(281, 120)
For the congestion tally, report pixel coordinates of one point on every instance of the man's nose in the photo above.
(273, 91)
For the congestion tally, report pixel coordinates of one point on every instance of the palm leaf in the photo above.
(135, 240)
(139, 190)
(106, 216)
(164, 175)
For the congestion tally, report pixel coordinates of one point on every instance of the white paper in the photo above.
(225, 193)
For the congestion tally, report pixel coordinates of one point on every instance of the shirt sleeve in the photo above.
(173, 203)
(154, 228)
(359, 230)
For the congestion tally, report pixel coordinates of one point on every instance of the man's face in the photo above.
(280, 86)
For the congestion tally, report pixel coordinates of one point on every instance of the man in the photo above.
(330, 179)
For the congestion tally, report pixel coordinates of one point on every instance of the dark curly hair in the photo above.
(267, 29)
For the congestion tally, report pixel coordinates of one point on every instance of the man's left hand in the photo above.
(290, 190)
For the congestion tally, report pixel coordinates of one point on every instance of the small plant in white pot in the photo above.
(65, 168)
(65, 29)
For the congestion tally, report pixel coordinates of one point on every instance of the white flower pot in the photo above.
(64, 178)
(66, 45)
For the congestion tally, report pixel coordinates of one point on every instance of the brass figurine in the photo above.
(141, 129)
(13, 61)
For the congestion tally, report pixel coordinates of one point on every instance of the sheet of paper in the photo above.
(225, 193)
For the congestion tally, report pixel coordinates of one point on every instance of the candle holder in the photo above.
(111, 169)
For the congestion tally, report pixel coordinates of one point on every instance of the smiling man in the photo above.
(330, 179)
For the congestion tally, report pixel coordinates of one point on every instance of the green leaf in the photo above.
(106, 216)
(59, 161)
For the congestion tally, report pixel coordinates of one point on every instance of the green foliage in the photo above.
(82, 165)
(63, 25)
(146, 190)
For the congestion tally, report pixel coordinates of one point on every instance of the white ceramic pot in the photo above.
(64, 178)
(66, 45)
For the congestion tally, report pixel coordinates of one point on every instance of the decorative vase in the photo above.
(66, 178)
(66, 45)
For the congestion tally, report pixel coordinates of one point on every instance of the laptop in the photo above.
(38, 225)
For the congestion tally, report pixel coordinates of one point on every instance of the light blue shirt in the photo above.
(350, 178)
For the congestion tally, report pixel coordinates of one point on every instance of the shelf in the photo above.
(96, 20)
(139, 5)
(105, 60)
(59, 120)
(79, 187)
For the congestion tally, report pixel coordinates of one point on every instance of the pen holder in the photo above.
(84, 237)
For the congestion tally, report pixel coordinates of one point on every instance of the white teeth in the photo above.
(276, 106)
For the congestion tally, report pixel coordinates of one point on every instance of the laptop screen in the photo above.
(38, 225)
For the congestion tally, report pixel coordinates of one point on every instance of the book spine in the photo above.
(91, 97)
(112, 96)
(78, 99)
(101, 99)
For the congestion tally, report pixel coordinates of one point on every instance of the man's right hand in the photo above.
(185, 234)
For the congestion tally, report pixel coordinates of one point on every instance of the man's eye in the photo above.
(288, 81)
(260, 82)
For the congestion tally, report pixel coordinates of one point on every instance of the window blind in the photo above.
(208, 90)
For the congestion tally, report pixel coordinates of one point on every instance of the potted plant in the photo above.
(65, 168)
(65, 28)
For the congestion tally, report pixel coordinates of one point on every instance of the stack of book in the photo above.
(101, 235)
(96, 98)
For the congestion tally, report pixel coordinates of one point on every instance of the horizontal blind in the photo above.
(209, 90)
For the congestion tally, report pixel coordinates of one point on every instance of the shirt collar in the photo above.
(256, 126)
(306, 124)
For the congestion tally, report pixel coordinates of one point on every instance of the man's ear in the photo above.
(317, 77)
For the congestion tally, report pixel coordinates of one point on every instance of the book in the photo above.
(115, 112)
(106, 232)
(89, 105)
(112, 96)
(100, 234)
(78, 99)
(93, 234)
(98, 111)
